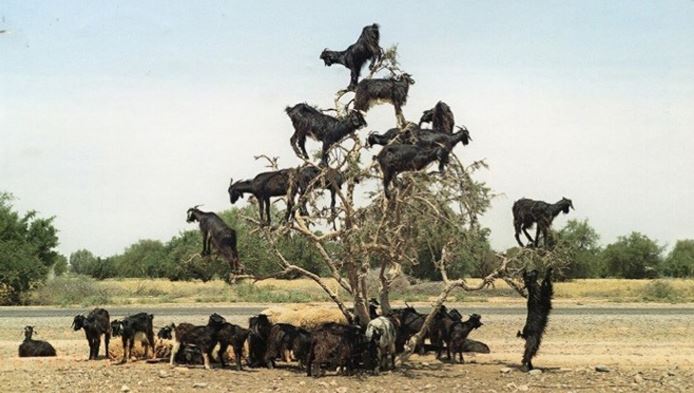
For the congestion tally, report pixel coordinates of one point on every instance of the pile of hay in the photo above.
(307, 316)
(162, 349)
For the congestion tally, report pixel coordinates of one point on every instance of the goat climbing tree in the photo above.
(374, 232)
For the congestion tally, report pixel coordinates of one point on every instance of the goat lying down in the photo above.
(34, 348)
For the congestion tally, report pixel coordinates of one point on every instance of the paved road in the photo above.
(21, 312)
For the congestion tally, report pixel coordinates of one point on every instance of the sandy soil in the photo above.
(642, 352)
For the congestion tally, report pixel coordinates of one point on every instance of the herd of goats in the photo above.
(330, 346)
(347, 347)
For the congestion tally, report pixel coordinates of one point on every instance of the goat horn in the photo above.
(231, 181)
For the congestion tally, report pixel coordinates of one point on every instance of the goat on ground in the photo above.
(392, 90)
(264, 186)
(310, 122)
(527, 212)
(336, 346)
(440, 116)
(203, 337)
(216, 232)
(283, 338)
(357, 54)
(385, 329)
(539, 307)
(129, 327)
(458, 334)
(234, 335)
(260, 327)
(186, 353)
(395, 159)
(34, 348)
(95, 324)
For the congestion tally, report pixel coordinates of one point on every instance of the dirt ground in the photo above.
(643, 352)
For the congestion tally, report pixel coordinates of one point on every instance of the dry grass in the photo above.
(74, 290)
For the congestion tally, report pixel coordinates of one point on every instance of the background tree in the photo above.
(633, 256)
(582, 242)
(27, 251)
(680, 261)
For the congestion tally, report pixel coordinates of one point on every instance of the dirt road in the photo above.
(646, 348)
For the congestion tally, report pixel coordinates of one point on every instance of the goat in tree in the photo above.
(332, 181)
(393, 90)
(527, 212)
(414, 135)
(394, 159)
(309, 121)
(539, 307)
(440, 116)
(264, 186)
(356, 55)
(216, 232)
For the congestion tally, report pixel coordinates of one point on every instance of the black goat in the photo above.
(440, 328)
(332, 181)
(234, 335)
(309, 121)
(284, 337)
(458, 333)
(539, 307)
(394, 159)
(440, 116)
(129, 327)
(203, 337)
(393, 90)
(34, 348)
(430, 138)
(260, 327)
(527, 212)
(264, 186)
(356, 55)
(215, 231)
(186, 353)
(410, 323)
(338, 346)
(95, 324)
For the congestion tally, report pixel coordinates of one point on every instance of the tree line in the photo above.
(28, 254)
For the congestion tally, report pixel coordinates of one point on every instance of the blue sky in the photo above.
(116, 117)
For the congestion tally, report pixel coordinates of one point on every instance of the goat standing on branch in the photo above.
(440, 116)
(309, 179)
(393, 90)
(309, 121)
(264, 186)
(356, 55)
(527, 212)
(539, 306)
(394, 159)
(215, 231)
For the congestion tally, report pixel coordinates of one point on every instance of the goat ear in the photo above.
(231, 181)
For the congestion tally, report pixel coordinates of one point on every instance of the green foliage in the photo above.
(582, 242)
(179, 259)
(60, 267)
(26, 251)
(680, 261)
(633, 256)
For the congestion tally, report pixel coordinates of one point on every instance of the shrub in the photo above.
(70, 290)
(661, 290)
